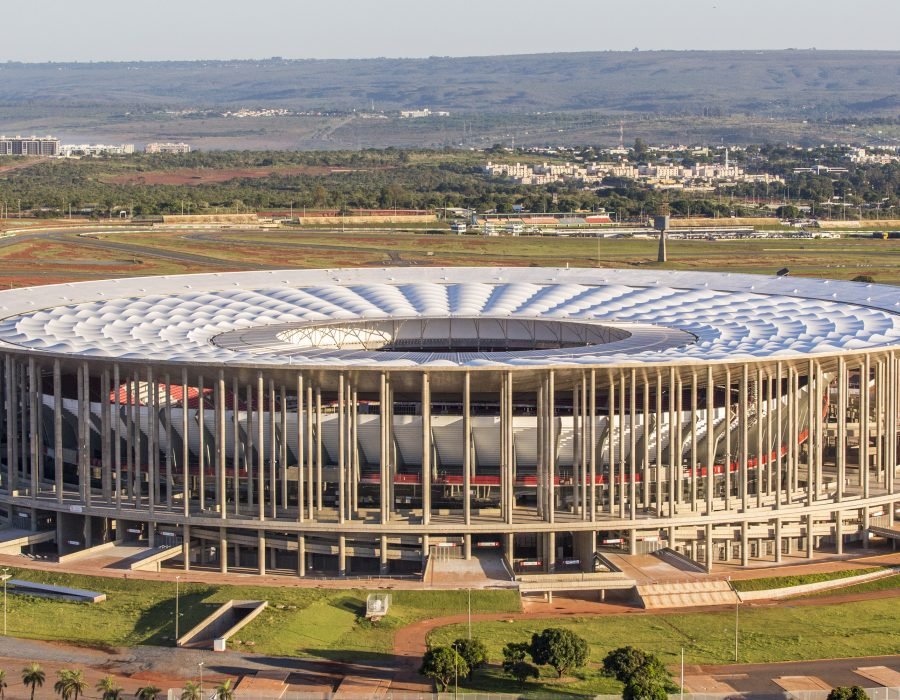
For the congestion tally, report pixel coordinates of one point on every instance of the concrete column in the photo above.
(186, 546)
(865, 527)
(201, 420)
(220, 447)
(593, 452)
(632, 446)
(261, 551)
(301, 555)
(810, 538)
(709, 547)
(778, 541)
(342, 451)
(185, 447)
(551, 446)
(467, 546)
(223, 550)
(632, 542)
(342, 556)
(838, 532)
(710, 438)
(426, 448)
(550, 551)
(467, 449)
(745, 544)
(273, 455)
(261, 452)
(383, 555)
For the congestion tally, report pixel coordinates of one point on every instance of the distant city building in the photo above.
(96, 149)
(29, 146)
(650, 173)
(420, 113)
(167, 148)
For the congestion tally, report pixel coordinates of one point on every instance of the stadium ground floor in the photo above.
(403, 550)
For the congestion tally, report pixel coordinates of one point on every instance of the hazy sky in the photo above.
(84, 30)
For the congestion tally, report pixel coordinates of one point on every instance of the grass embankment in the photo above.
(298, 621)
(888, 583)
(767, 634)
(768, 584)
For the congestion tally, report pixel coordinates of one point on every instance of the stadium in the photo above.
(354, 422)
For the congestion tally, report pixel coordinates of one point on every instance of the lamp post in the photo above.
(201, 679)
(737, 608)
(177, 614)
(6, 576)
(469, 592)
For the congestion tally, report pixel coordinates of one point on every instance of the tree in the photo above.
(843, 692)
(225, 691)
(644, 674)
(560, 648)
(33, 675)
(868, 279)
(3, 685)
(473, 651)
(443, 664)
(514, 663)
(70, 683)
(148, 692)
(108, 689)
(787, 211)
(621, 663)
(191, 691)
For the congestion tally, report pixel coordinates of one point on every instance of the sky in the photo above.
(120, 30)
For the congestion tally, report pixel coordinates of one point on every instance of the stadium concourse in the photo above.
(370, 421)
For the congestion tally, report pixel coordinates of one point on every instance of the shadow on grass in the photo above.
(156, 625)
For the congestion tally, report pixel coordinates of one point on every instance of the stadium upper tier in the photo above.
(451, 317)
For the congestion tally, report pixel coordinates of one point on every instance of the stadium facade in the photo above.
(352, 421)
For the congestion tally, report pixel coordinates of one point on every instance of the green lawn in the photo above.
(888, 583)
(766, 584)
(298, 622)
(864, 628)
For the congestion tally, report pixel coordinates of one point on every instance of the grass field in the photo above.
(767, 634)
(834, 258)
(298, 622)
(767, 584)
(70, 257)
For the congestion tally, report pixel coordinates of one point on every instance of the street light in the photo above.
(201, 679)
(469, 591)
(6, 576)
(177, 580)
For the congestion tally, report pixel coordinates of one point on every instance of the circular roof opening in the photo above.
(450, 335)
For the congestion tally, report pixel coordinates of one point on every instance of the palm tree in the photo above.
(108, 688)
(148, 692)
(224, 691)
(3, 685)
(34, 676)
(62, 686)
(70, 684)
(191, 691)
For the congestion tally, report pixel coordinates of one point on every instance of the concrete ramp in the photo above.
(224, 623)
(13, 540)
(686, 594)
(484, 569)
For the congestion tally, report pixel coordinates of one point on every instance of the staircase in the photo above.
(686, 594)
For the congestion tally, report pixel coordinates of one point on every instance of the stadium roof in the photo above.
(646, 316)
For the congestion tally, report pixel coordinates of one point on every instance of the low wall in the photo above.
(814, 587)
(392, 219)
